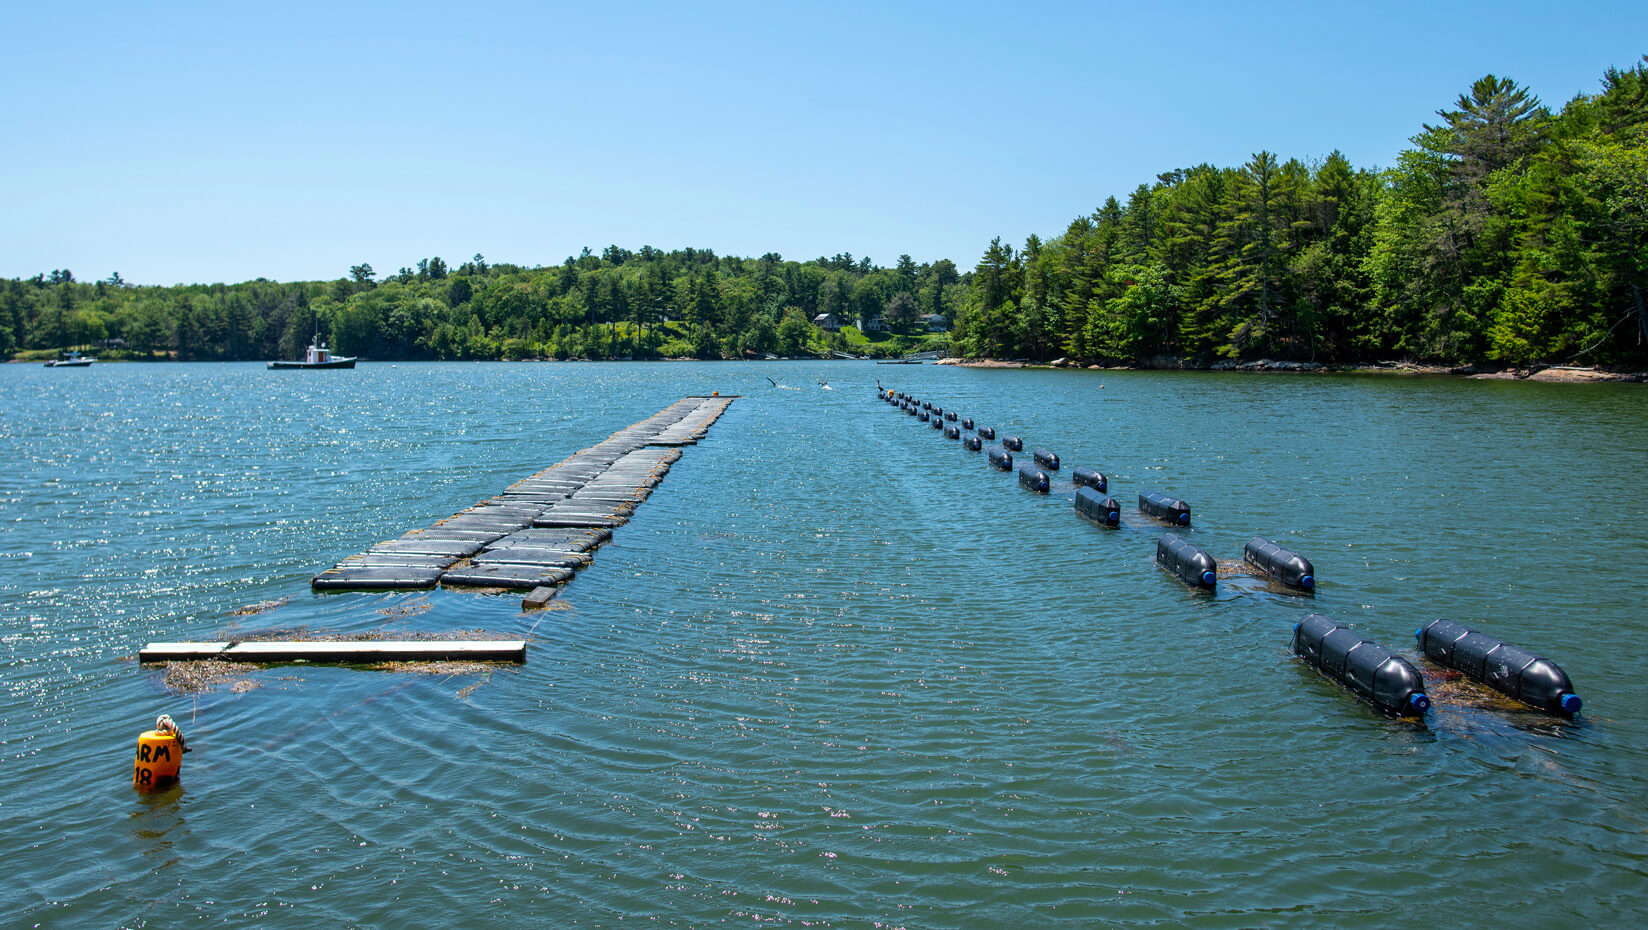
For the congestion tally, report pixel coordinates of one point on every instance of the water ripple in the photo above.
(835, 672)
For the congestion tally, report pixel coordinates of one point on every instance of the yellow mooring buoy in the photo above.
(159, 756)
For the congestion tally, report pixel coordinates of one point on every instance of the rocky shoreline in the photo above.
(1553, 373)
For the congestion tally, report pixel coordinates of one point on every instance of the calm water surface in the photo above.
(836, 672)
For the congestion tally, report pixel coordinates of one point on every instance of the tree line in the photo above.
(618, 304)
(1507, 233)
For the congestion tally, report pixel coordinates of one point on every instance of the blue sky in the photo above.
(182, 142)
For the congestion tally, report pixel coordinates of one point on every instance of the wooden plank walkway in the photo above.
(348, 652)
(539, 531)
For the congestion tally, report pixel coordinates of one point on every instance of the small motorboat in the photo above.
(318, 356)
(71, 360)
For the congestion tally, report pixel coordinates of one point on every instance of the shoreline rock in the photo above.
(1564, 374)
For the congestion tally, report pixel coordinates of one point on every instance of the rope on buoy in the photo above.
(164, 724)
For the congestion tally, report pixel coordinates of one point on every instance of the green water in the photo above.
(836, 672)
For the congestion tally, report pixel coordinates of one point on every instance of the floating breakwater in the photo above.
(1377, 674)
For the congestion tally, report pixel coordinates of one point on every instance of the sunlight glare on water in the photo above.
(835, 671)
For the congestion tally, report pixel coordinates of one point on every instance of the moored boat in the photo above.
(317, 355)
(71, 360)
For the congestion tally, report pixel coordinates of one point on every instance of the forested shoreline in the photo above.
(1508, 234)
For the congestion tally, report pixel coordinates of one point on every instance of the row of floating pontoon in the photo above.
(1371, 671)
(540, 530)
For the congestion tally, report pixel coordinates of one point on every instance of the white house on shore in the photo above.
(871, 324)
(827, 322)
(936, 323)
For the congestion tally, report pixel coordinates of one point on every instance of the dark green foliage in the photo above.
(620, 304)
(1505, 234)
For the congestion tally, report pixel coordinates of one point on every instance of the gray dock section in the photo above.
(540, 530)
(507, 650)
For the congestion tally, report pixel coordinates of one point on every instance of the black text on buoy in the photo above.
(159, 756)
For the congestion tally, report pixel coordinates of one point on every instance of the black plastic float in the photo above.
(966, 422)
(1289, 568)
(950, 432)
(973, 443)
(1001, 460)
(1087, 477)
(1508, 669)
(937, 422)
(1188, 561)
(1013, 442)
(1372, 672)
(923, 415)
(1098, 508)
(1033, 479)
(950, 415)
(1046, 459)
(987, 432)
(1162, 507)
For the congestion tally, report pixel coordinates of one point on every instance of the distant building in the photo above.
(827, 322)
(871, 324)
(935, 323)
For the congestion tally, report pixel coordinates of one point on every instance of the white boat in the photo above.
(71, 360)
(318, 356)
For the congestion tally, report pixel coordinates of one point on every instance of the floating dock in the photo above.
(539, 531)
(345, 652)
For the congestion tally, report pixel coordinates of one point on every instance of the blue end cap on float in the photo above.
(1419, 702)
(1419, 634)
(1307, 582)
(1184, 518)
(1571, 703)
(1209, 578)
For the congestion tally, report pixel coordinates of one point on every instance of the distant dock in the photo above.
(540, 530)
(348, 652)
